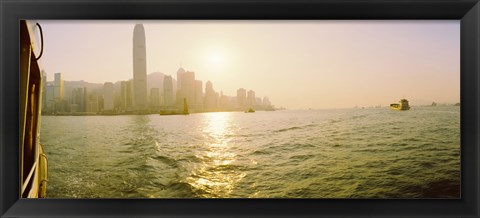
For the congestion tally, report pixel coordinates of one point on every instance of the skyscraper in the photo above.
(179, 92)
(241, 98)
(108, 97)
(180, 73)
(251, 100)
(58, 93)
(139, 68)
(123, 95)
(154, 98)
(77, 100)
(168, 91)
(266, 101)
(129, 95)
(188, 87)
(44, 90)
(211, 97)
(49, 98)
(199, 94)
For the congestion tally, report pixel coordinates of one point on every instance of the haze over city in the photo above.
(114, 88)
(297, 64)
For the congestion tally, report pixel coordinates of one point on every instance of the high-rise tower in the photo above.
(139, 68)
(59, 87)
(168, 91)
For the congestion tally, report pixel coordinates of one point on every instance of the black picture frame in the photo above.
(467, 11)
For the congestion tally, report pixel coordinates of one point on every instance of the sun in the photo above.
(216, 59)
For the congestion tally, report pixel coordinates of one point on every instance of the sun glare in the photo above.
(216, 59)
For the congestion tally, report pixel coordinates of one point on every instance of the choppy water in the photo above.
(349, 153)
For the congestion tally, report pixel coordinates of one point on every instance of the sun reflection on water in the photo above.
(217, 174)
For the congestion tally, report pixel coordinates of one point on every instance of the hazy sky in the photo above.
(298, 64)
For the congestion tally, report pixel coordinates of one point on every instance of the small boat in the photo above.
(175, 112)
(250, 110)
(402, 105)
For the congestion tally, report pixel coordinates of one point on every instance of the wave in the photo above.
(166, 160)
(287, 129)
(358, 116)
(296, 127)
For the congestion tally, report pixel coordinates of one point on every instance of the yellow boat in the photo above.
(250, 110)
(402, 105)
(33, 165)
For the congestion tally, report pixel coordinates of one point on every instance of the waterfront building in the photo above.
(85, 97)
(223, 102)
(129, 95)
(186, 88)
(251, 101)
(180, 94)
(180, 73)
(241, 98)
(58, 83)
(198, 94)
(44, 90)
(266, 101)
(93, 103)
(49, 98)
(154, 98)
(211, 97)
(78, 99)
(189, 87)
(123, 95)
(108, 97)
(139, 68)
(126, 95)
(258, 101)
(168, 91)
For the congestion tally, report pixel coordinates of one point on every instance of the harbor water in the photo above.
(341, 153)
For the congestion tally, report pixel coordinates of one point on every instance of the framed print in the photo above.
(237, 108)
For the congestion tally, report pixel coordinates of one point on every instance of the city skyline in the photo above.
(421, 63)
(118, 98)
(130, 97)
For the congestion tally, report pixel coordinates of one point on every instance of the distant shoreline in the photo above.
(137, 113)
(199, 112)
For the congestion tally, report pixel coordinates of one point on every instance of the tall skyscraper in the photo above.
(168, 91)
(108, 97)
(139, 68)
(58, 91)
